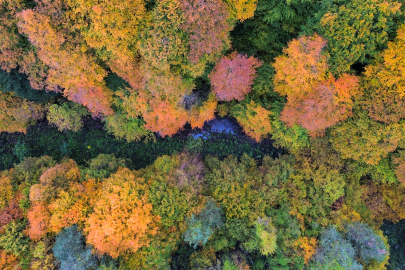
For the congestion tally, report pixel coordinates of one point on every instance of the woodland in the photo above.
(100, 102)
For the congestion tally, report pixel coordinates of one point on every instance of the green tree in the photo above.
(67, 116)
(356, 30)
(363, 139)
(13, 239)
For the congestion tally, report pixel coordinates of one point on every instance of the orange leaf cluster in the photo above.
(307, 246)
(316, 100)
(77, 74)
(122, 218)
(8, 261)
(71, 207)
(38, 218)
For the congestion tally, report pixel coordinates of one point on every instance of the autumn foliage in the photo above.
(77, 74)
(233, 76)
(38, 218)
(122, 218)
(254, 119)
(316, 100)
(384, 83)
(206, 24)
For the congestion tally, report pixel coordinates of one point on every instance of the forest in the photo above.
(109, 159)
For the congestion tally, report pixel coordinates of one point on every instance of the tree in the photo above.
(6, 190)
(204, 112)
(12, 211)
(122, 219)
(165, 118)
(356, 30)
(125, 127)
(233, 76)
(38, 219)
(103, 166)
(329, 103)
(79, 75)
(383, 83)
(163, 44)
(112, 29)
(200, 227)
(71, 251)
(17, 114)
(399, 161)
(334, 252)
(159, 102)
(238, 188)
(254, 119)
(30, 170)
(19, 84)
(242, 9)
(13, 239)
(42, 256)
(368, 245)
(303, 65)
(316, 100)
(54, 180)
(264, 237)
(72, 207)
(365, 140)
(8, 261)
(208, 29)
(67, 116)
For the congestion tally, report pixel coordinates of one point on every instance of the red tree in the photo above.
(233, 76)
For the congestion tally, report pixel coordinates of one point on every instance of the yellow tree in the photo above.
(384, 82)
(111, 27)
(242, 9)
(16, 114)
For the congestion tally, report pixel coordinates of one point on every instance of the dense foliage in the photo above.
(109, 158)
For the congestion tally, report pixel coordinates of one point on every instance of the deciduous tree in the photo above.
(233, 76)
(365, 140)
(38, 219)
(356, 30)
(316, 100)
(384, 83)
(242, 9)
(67, 116)
(16, 114)
(79, 75)
(208, 29)
(254, 119)
(329, 103)
(122, 219)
